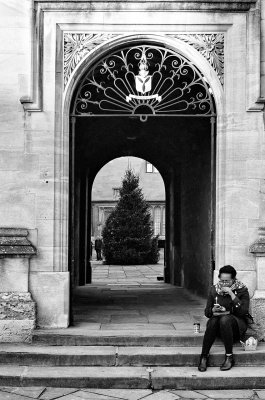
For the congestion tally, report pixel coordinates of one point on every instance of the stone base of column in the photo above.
(258, 307)
(51, 291)
(258, 300)
(258, 312)
(17, 317)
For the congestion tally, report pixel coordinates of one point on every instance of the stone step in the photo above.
(29, 355)
(147, 338)
(73, 337)
(77, 377)
(184, 356)
(213, 378)
(133, 377)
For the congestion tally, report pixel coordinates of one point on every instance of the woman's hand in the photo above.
(218, 308)
(229, 291)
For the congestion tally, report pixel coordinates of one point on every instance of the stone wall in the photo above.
(262, 49)
(19, 164)
(110, 176)
(17, 317)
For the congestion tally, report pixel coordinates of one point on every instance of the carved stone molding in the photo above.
(78, 45)
(14, 243)
(258, 247)
(211, 46)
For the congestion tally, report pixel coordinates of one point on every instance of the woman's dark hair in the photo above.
(227, 269)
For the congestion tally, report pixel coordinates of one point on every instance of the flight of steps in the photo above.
(125, 360)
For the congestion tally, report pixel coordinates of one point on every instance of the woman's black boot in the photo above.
(228, 363)
(202, 367)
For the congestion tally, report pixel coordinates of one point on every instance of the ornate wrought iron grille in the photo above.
(144, 81)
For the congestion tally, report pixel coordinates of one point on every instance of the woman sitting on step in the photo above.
(227, 305)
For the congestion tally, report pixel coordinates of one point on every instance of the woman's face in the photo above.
(226, 280)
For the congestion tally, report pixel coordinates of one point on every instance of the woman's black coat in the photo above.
(237, 307)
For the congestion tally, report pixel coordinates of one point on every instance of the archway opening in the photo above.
(177, 135)
(106, 194)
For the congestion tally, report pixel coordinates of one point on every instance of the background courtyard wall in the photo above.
(111, 175)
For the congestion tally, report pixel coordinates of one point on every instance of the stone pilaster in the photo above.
(17, 309)
(258, 300)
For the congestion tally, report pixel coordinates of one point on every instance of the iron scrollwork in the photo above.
(144, 80)
(210, 45)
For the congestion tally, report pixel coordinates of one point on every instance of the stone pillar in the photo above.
(258, 300)
(17, 309)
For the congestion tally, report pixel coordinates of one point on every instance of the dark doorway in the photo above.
(182, 148)
(147, 100)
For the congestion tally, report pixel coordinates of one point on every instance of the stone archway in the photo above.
(187, 264)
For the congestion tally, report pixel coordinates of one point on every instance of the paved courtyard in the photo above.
(47, 393)
(133, 274)
(132, 298)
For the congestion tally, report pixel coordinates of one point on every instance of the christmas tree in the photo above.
(128, 233)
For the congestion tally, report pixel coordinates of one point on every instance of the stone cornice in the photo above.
(154, 5)
(258, 247)
(14, 243)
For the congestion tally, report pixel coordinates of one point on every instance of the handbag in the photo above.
(254, 328)
(250, 344)
(249, 319)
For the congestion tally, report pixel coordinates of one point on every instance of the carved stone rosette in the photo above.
(78, 45)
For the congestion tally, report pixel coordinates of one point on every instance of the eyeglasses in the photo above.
(226, 281)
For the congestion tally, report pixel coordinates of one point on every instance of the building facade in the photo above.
(179, 83)
(105, 193)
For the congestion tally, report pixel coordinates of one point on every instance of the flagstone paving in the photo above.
(48, 393)
(123, 298)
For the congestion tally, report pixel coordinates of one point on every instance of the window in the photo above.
(107, 214)
(150, 168)
(116, 193)
(163, 221)
(157, 220)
